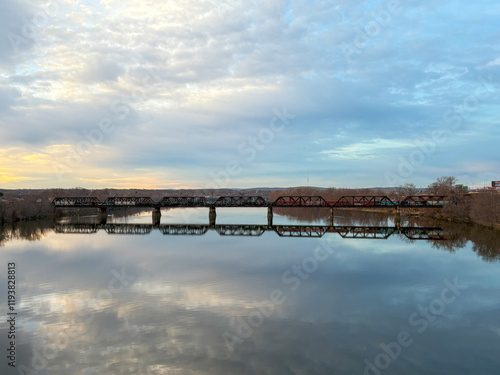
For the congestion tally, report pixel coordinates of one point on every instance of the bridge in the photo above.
(306, 231)
(412, 201)
(427, 201)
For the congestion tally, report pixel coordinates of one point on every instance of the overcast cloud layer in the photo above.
(238, 93)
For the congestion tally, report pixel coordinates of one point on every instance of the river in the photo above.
(296, 298)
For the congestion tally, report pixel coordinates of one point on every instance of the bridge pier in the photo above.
(212, 215)
(331, 217)
(269, 216)
(156, 217)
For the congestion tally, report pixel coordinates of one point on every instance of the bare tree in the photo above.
(408, 189)
(445, 185)
(458, 206)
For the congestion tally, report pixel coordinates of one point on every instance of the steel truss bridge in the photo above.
(420, 201)
(307, 231)
(413, 201)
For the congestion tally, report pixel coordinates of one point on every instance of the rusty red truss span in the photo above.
(251, 201)
(423, 201)
(345, 201)
(300, 201)
(370, 200)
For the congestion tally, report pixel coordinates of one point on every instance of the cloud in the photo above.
(186, 82)
(495, 62)
(8, 96)
(366, 150)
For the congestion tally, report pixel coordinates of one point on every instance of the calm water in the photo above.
(219, 304)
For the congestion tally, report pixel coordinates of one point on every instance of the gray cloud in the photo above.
(201, 78)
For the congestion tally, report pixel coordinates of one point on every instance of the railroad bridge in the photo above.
(362, 201)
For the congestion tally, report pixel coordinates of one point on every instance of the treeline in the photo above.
(480, 207)
(17, 205)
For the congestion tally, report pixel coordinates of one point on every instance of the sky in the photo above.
(233, 93)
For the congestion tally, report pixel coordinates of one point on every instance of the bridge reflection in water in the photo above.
(307, 231)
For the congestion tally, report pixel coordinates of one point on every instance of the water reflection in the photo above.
(161, 303)
(307, 231)
(443, 235)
